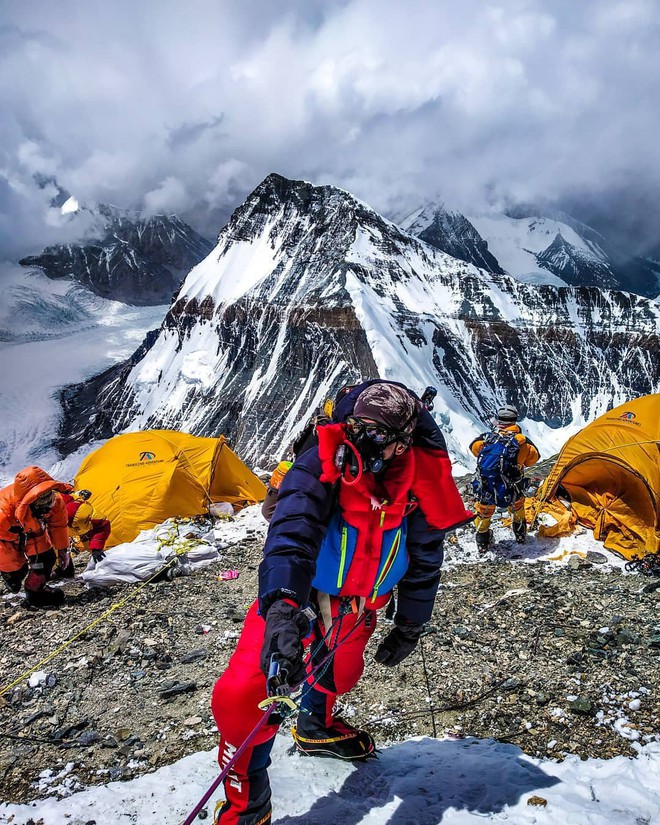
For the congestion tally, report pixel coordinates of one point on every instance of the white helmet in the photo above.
(507, 414)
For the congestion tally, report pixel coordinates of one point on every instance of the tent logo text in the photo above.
(628, 417)
(147, 456)
(147, 462)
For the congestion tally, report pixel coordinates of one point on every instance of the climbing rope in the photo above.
(648, 565)
(88, 627)
(180, 545)
(428, 629)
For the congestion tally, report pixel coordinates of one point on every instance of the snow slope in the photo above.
(422, 781)
(53, 334)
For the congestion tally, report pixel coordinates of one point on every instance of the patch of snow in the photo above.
(37, 678)
(244, 265)
(622, 726)
(197, 368)
(422, 780)
(70, 205)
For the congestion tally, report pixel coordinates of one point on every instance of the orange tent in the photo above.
(610, 472)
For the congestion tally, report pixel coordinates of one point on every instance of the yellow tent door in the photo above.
(610, 470)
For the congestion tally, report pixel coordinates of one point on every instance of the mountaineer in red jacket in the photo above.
(34, 536)
(364, 510)
(88, 533)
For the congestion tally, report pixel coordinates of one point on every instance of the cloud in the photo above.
(190, 132)
(161, 107)
(169, 196)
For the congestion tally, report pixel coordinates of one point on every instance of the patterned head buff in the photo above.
(389, 405)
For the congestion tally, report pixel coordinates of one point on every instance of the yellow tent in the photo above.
(611, 473)
(140, 479)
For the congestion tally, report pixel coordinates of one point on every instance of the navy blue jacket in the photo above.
(303, 512)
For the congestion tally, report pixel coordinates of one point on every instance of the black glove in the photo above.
(64, 568)
(98, 555)
(286, 627)
(399, 643)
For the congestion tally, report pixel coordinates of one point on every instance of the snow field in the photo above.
(422, 781)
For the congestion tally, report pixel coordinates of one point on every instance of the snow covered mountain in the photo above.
(452, 233)
(125, 256)
(531, 247)
(308, 289)
(535, 247)
(576, 265)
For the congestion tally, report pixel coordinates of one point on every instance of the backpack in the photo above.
(498, 475)
(72, 505)
(305, 441)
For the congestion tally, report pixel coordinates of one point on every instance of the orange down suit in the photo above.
(528, 455)
(16, 519)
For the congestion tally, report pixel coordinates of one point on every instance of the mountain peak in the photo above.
(309, 289)
(452, 233)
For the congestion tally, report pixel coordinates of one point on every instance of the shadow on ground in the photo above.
(429, 777)
(507, 549)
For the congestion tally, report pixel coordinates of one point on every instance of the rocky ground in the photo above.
(556, 660)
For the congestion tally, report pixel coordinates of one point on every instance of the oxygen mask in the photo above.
(371, 439)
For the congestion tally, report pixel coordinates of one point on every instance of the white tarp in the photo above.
(147, 554)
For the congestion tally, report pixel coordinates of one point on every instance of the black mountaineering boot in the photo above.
(340, 740)
(45, 598)
(520, 530)
(484, 540)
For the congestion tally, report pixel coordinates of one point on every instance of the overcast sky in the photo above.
(185, 106)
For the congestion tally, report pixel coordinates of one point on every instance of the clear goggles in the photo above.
(377, 433)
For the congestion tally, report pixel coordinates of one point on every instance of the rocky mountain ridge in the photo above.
(127, 257)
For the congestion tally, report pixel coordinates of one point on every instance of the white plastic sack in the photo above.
(140, 559)
(221, 509)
